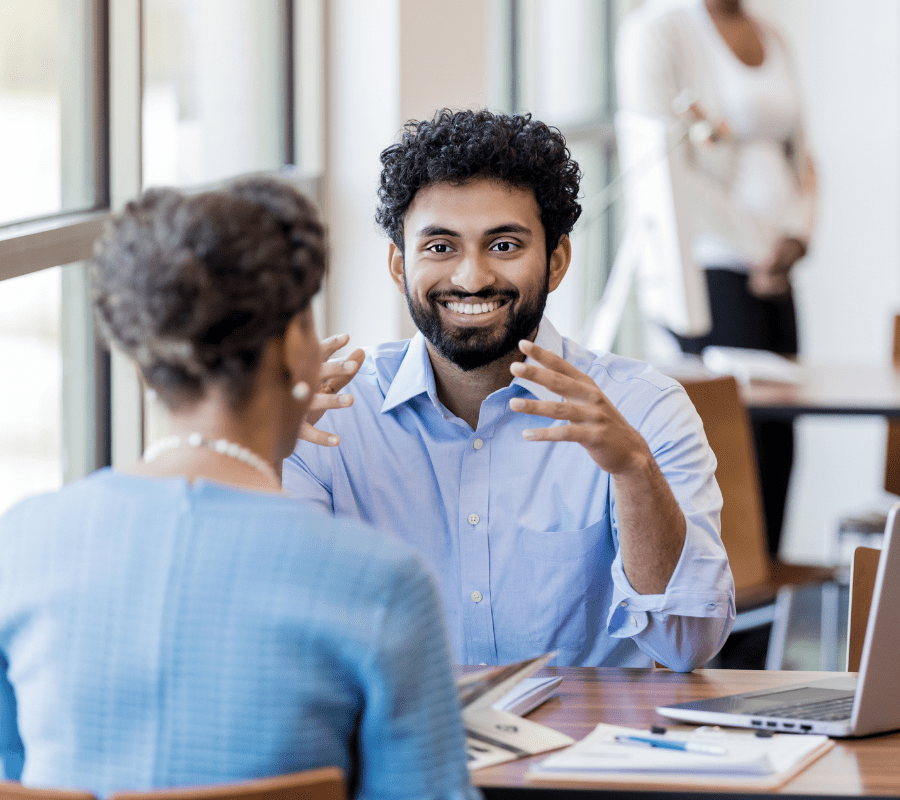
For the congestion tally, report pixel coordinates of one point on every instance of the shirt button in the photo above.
(624, 604)
(483, 664)
(633, 622)
(473, 519)
(477, 597)
(710, 606)
(478, 444)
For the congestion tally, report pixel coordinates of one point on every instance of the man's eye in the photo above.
(504, 247)
(438, 248)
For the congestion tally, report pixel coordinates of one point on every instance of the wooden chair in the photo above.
(326, 783)
(862, 585)
(764, 587)
(15, 791)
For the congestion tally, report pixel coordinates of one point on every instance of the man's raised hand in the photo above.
(335, 376)
(594, 422)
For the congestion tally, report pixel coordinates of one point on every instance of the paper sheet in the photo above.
(749, 760)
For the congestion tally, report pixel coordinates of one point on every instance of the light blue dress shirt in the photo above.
(158, 633)
(521, 537)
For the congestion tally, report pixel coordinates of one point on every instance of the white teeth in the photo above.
(472, 308)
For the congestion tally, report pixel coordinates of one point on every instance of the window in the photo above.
(214, 103)
(92, 94)
(31, 422)
(46, 88)
(563, 72)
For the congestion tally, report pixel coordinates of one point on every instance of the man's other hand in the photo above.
(335, 376)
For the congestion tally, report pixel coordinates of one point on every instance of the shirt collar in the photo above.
(415, 375)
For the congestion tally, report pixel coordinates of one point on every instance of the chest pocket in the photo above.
(568, 573)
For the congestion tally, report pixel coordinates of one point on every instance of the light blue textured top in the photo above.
(521, 537)
(158, 633)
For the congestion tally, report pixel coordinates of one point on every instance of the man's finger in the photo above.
(551, 360)
(335, 375)
(334, 343)
(570, 412)
(324, 401)
(582, 434)
(576, 389)
(310, 434)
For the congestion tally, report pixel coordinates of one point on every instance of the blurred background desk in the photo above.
(827, 389)
(853, 768)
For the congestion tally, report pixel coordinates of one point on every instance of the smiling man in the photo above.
(562, 499)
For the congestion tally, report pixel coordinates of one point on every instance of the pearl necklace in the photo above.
(222, 446)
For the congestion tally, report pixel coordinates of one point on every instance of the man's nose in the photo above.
(473, 273)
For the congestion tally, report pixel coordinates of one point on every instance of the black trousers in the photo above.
(742, 320)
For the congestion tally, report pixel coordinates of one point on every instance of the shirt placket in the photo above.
(474, 543)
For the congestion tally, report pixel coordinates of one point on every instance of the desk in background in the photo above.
(833, 389)
(853, 768)
(823, 388)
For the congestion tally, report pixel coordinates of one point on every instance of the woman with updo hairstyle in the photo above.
(181, 621)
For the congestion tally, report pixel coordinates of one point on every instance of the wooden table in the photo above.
(629, 696)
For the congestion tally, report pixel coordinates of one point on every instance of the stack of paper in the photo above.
(744, 758)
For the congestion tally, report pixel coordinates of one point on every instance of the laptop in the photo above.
(841, 706)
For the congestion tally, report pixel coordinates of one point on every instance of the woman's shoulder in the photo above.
(45, 504)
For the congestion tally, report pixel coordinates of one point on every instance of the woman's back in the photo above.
(162, 633)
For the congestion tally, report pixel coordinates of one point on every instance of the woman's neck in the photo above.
(211, 419)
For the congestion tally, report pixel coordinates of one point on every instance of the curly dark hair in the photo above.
(456, 146)
(192, 286)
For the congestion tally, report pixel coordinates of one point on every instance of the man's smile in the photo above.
(473, 309)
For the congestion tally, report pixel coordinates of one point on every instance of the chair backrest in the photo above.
(326, 783)
(892, 458)
(15, 791)
(727, 427)
(862, 585)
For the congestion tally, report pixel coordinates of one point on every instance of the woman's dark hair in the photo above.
(193, 286)
(456, 146)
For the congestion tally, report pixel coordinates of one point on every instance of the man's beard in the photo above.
(472, 347)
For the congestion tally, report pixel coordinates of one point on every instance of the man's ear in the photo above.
(560, 259)
(395, 265)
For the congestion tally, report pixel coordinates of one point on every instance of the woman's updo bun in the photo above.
(192, 286)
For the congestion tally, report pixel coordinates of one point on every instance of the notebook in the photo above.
(528, 695)
(493, 735)
(840, 706)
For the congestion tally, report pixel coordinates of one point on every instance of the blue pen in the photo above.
(671, 744)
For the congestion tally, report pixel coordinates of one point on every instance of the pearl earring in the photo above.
(300, 392)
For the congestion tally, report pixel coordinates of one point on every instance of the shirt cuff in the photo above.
(629, 612)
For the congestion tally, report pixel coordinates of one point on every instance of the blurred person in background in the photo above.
(752, 185)
(182, 621)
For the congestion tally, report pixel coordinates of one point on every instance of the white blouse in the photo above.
(754, 187)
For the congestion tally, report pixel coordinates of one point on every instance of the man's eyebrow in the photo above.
(436, 230)
(510, 227)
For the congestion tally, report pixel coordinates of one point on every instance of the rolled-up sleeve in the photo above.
(685, 626)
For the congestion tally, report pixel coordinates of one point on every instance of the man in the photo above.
(563, 500)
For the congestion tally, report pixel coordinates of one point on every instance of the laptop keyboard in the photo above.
(822, 711)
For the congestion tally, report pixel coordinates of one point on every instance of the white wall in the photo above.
(389, 61)
(848, 58)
